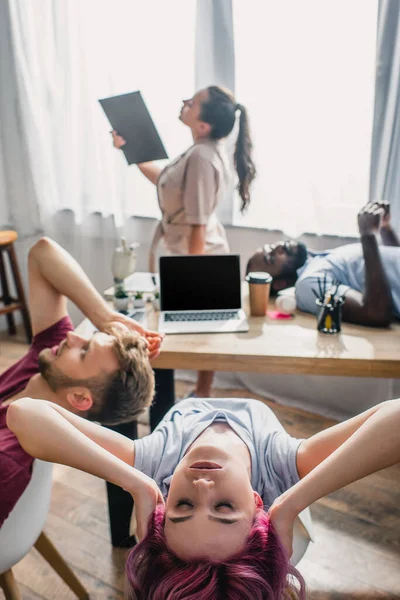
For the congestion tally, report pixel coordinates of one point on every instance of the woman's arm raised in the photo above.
(149, 169)
(51, 433)
(348, 454)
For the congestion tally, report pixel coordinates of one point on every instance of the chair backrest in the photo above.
(302, 535)
(26, 521)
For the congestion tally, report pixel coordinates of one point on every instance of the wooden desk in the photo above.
(290, 346)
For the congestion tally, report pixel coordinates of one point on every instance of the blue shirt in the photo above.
(346, 265)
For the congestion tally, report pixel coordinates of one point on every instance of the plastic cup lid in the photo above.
(259, 277)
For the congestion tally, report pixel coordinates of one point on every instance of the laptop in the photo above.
(201, 294)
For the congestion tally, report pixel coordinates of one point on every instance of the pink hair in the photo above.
(261, 571)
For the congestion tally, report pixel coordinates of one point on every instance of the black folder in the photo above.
(128, 114)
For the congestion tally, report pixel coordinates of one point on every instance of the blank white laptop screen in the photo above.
(205, 284)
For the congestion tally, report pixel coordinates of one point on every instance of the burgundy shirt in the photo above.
(15, 463)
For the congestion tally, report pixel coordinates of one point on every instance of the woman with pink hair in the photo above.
(219, 488)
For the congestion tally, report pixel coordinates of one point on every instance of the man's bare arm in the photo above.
(55, 276)
(388, 235)
(46, 304)
(374, 307)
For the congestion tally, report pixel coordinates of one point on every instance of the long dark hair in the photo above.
(220, 111)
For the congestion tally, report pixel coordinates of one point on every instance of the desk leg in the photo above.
(165, 396)
(120, 503)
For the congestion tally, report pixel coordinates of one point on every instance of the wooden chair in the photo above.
(23, 529)
(7, 239)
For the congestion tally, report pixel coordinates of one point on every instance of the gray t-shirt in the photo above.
(273, 451)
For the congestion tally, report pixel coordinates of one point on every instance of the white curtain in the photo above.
(68, 55)
(385, 159)
(19, 207)
(215, 65)
(305, 70)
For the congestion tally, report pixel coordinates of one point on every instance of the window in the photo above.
(150, 47)
(70, 54)
(305, 71)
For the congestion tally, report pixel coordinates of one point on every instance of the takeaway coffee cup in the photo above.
(259, 286)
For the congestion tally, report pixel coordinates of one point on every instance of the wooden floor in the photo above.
(356, 553)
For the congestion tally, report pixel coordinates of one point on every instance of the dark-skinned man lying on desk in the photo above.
(368, 273)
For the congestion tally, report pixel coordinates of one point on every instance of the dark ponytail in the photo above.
(220, 112)
(245, 167)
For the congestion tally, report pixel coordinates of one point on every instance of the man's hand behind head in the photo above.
(370, 218)
(386, 214)
(153, 338)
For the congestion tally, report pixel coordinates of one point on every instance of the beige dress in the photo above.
(189, 191)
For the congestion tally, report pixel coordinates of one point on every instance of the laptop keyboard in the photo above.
(202, 316)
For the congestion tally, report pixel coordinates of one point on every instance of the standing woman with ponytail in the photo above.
(192, 186)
